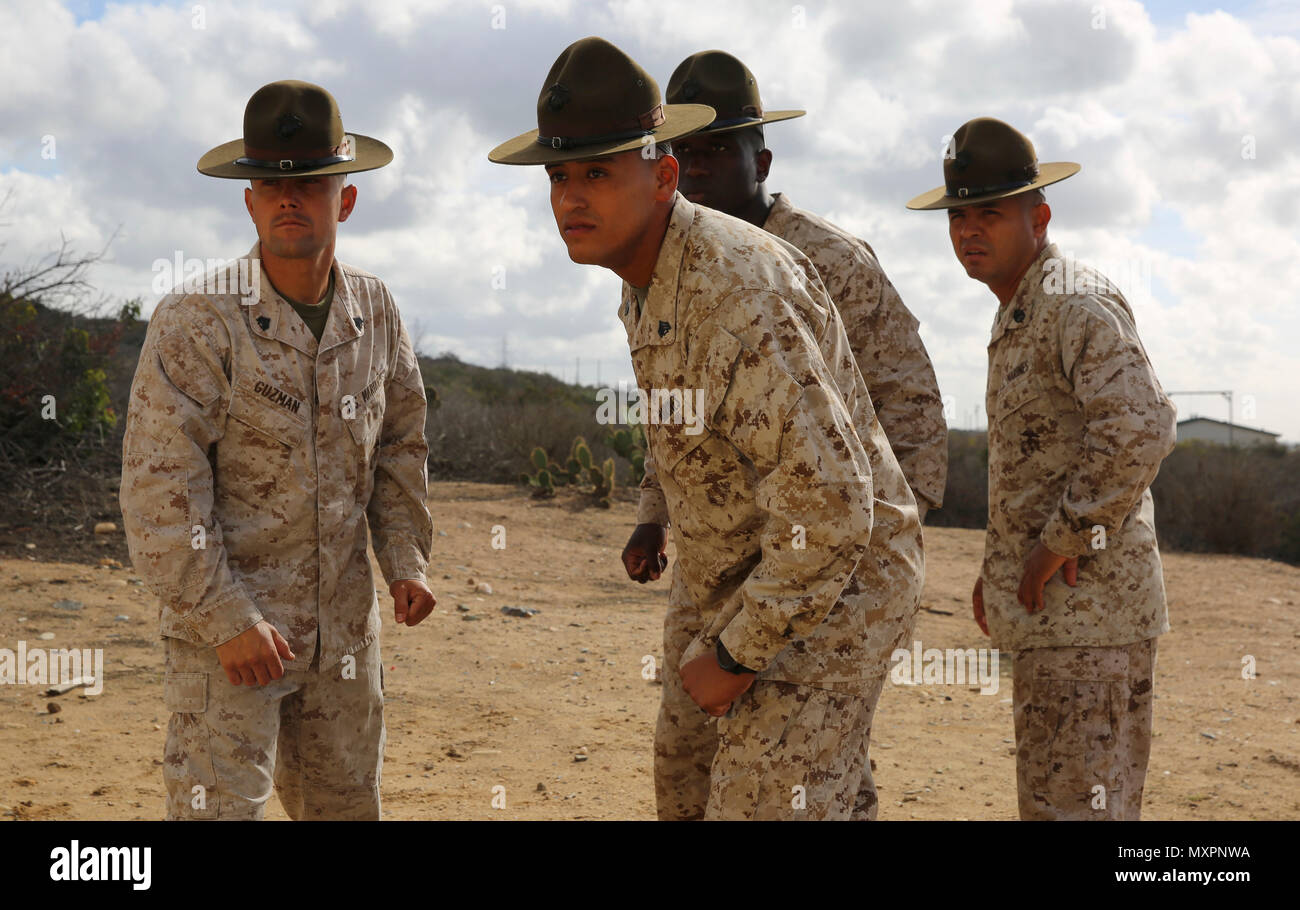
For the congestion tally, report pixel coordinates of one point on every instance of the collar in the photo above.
(780, 212)
(1027, 293)
(272, 316)
(658, 322)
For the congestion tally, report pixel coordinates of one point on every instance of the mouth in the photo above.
(578, 229)
(290, 223)
(974, 255)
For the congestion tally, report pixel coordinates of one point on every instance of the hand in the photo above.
(643, 557)
(252, 658)
(977, 603)
(1040, 566)
(412, 601)
(711, 687)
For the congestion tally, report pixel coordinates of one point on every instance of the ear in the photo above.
(347, 200)
(762, 163)
(1040, 216)
(667, 171)
(248, 199)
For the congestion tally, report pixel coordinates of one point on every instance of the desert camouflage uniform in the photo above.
(286, 453)
(1078, 426)
(790, 452)
(885, 341)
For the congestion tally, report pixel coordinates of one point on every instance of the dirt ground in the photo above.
(478, 700)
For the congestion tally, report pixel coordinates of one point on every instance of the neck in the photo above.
(639, 267)
(756, 210)
(1008, 289)
(302, 280)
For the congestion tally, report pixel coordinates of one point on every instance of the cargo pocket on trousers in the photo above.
(1081, 753)
(187, 761)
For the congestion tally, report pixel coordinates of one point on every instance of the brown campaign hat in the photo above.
(596, 101)
(987, 160)
(293, 129)
(724, 83)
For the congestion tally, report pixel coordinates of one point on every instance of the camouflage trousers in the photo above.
(317, 737)
(783, 751)
(1083, 731)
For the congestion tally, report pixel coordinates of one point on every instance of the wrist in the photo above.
(729, 663)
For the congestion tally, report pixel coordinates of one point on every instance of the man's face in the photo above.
(604, 205)
(721, 171)
(995, 241)
(298, 217)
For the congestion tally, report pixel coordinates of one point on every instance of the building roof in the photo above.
(1224, 423)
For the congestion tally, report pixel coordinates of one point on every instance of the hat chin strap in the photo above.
(341, 153)
(646, 125)
(719, 124)
(964, 192)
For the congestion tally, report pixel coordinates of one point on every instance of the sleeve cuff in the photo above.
(402, 562)
(746, 645)
(216, 624)
(1061, 540)
(652, 508)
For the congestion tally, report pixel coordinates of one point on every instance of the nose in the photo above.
(289, 193)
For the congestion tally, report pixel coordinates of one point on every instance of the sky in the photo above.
(1185, 117)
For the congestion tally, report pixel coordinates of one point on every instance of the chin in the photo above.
(584, 257)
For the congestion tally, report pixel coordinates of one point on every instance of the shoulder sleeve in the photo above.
(1129, 424)
(769, 391)
(177, 411)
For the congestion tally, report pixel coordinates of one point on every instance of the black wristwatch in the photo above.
(728, 663)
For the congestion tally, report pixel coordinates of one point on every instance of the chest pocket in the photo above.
(1015, 395)
(365, 427)
(274, 425)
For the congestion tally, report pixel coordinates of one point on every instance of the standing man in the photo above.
(278, 413)
(1078, 426)
(800, 546)
(725, 166)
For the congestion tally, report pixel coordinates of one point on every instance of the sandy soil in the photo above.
(478, 700)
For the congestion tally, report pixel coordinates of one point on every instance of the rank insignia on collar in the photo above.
(664, 328)
(264, 322)
(357, 320)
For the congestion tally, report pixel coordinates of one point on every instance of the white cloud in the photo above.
(1158, 117)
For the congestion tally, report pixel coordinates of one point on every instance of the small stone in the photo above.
(523, 612)
(442, 533)
(109, 563)
(464, 608)
(105, 527)
(482, 588)
(466, 525)
(121, 617)
(469, 618)
(54, 707)
(541, 787)
(68, 605)
(46, 636)
(1208, 735)
(581, 754)
(30, 546)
